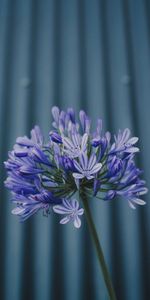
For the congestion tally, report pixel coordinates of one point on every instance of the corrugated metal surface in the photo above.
(93, 55)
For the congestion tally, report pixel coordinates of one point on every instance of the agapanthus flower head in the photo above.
(74, 160)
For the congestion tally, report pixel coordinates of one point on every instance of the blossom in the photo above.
(87, 167)
(132, 193)
(115, 165)
(44, 176)
(76, 146)
(55, 137)
(85, 121)
(29, 205)
(124, 143)
(36, 138)
(71, 209)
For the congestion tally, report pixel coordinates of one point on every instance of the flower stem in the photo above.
(98, 247)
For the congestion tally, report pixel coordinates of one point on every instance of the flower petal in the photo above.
(92, 161)
(131, 205)
(83, 160)
(125, 136)
(132, 149)
(89, 177)
(55, 113)
(76, 140)
(84, 141)
(80, 211)
(18, 210)
(77, 166)
(65, 220)
(96, 168)
(77, 222)
(60, 209)
(139, 201)
(133, 140)
(78, 175)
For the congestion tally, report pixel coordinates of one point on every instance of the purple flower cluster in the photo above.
(73, 161)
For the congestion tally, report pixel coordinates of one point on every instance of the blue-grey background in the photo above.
(93, 55)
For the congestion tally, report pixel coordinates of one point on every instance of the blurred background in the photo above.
(93, 55)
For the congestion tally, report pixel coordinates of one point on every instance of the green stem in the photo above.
(98, 247)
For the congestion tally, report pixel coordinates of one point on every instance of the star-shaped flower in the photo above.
(123, 142)
(70, 208)
(75, 146)
(87, 167)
